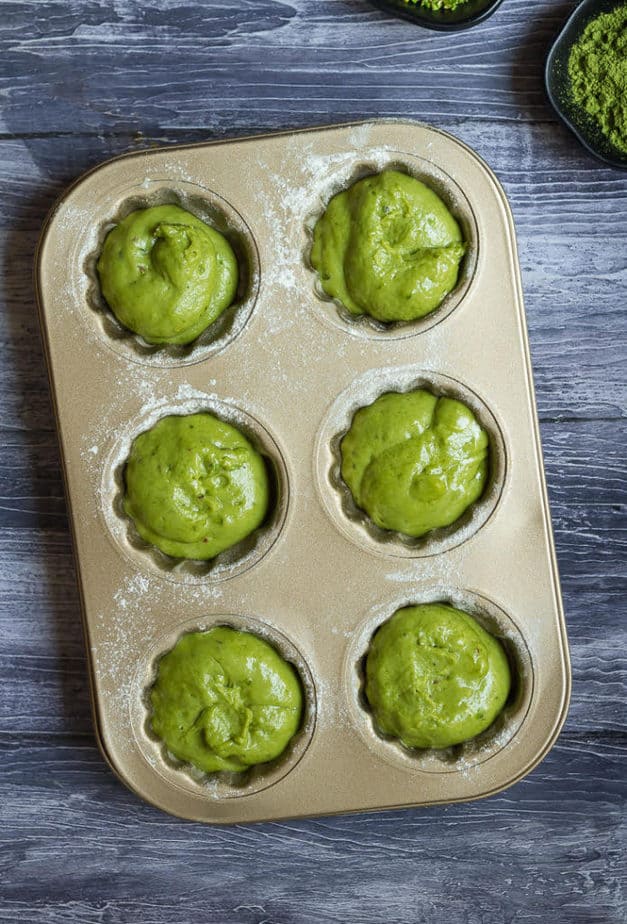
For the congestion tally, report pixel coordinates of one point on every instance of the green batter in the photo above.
(166, 274)
(435, 677)
(195, 486)
(225, 700)
(415, 462)
(388, 247)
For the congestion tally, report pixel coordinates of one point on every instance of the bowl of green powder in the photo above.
(586, 78)
(441, 15)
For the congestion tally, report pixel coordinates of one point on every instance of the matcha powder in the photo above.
(597, 68)
(446, 5)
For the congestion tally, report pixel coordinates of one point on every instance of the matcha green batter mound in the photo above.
(414, 462)
(388, 247)
(195, 486)
(435, 677)
(225, 700)
(166, 275)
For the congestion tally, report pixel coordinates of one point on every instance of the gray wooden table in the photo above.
(82, 80)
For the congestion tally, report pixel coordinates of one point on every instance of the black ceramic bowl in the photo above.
(558, 86)
(468, 14)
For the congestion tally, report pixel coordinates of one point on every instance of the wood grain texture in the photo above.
(303, 62)
(83, 80)
(394, 867)
(568, 262)
(43, 662)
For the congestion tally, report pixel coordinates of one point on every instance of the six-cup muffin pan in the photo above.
(290, 367)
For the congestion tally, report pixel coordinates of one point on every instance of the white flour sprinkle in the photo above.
(127, 630)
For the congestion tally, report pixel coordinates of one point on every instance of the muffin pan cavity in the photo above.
(355, 523)
(220, 785)
(340, 180)
(229, 563)
(289, 368)
(463, 757)
(214, 211)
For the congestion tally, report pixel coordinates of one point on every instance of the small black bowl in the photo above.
(558, 85)
(468, 14)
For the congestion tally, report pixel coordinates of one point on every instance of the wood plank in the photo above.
(41, 653)
(41, 648)
(80, 848)
(47, 693)
(584, 462)
(82, 80)
(553, 190)
(106, 65)
(571, 270)
(32, 494)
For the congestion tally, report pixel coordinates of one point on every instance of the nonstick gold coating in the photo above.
(290, 367)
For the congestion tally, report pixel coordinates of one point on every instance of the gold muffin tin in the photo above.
(289, 367)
